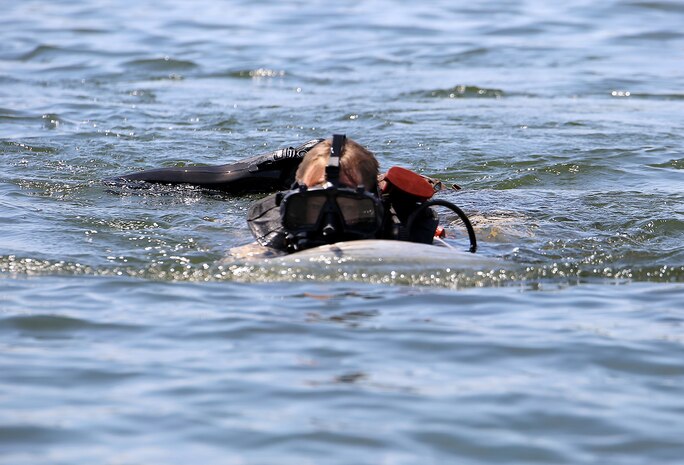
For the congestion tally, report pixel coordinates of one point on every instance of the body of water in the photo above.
(127, 338)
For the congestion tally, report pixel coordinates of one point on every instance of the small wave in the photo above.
(256, 73)
(48, 120)
(9, 115)
(200, 25)
(675, 7)
(91, 30)
(518, 181)
(651, 35)
(646, 96)
(160, 64)
(225, 124)
(142, 95)
(18, 434)
(127, 187)
(59, 190)
(169, 77)
(53, 323)
(40, 51)
(27, 147)
(462, 91)
(528, 30)
(567, 272)
(44, 52)
(661, 227)
(8, 80)
(519, 267)
(51, 121)
(466, 55)
(677, 164)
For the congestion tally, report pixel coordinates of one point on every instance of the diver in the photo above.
(329, 191)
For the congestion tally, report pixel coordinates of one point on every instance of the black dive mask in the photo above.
(332, 213)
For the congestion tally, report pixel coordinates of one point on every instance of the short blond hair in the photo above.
(358, 165)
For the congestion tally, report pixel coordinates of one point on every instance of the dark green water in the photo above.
(124, 338)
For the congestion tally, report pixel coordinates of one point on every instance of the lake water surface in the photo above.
(125, 338)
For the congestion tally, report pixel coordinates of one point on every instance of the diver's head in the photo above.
(336, 197)
(358, 166)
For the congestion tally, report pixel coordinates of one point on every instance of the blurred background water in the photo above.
(125, 339)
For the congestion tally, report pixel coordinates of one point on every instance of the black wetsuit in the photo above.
(275, 171)
(263, 173)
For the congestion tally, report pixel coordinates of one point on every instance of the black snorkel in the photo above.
(331, 222)
(332, 170)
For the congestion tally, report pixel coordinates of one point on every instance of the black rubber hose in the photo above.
(452, 207)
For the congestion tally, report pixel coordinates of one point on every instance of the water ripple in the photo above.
(461, 91)
(54, 324)
(125, 329)
(160, 64)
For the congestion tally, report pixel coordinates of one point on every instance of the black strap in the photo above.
(453, 208)
(332, 171)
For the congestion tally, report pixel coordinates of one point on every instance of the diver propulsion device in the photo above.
(262, 173)
(332, 213)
